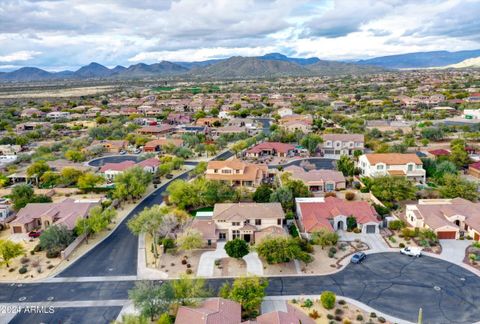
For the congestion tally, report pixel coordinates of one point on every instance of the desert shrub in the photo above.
(331, 255)
(37, 248)
(22, 270)
(342, 302)
(338, 311)
(184, 261)
(396, 225)
(52, 254)
(12, 269)
(24, 260)
(330, 316)
(294, 301)
(401, 245)
(347, 321)
(333, 250)
(330, 194)
(338, 318)
(328, 299)
(168, 243)
(381, 319)
(32, 252)
(356, 230)
(307, 303)
(476, 244)
(50, 266)
(218, 262)
(373, 314)
(408, 233)
(314, 314)
(293, 230)
(359, 317)
(189, 265)
(392, 239)
(349, 195)
(189, 271)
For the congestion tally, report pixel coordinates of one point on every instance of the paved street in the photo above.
(389, 282)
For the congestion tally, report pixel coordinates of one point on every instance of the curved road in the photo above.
(389, 282)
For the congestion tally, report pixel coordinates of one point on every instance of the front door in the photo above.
(222, 236)
(246, 238)
(340, 225)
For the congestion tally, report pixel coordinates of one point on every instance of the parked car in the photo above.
(34, 234)
(169, 176)
(358, 257)
(122, 152)
(412, 251)
(137, 151)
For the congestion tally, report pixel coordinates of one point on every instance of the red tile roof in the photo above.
(316, 215)
(121, 166)
(211, 311)
(475, 165)
(277, 146)
(439, 152)
(151, 162)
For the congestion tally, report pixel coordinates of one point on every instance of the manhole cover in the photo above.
(437, 288)
(22, 298)
(50, 298)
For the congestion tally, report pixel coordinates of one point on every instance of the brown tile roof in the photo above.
(315, 175)
(243, 211)
(251, 172)
(206, 227)
(120, 166)
(277, 146)
(269, 231)
(211, 311)
(233, 164)
(392, 158)
(163, 141)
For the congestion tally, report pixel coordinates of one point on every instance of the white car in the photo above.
(411, 251)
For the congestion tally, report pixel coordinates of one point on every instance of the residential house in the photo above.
(236, 172)
(159, 130)
(474, 97)
(318, 180)
(111, 170)
(208, 121)
(331, 213)
(41, 215)
(179, 119)
(448, 218)
(149, 165)
(4, 212)
(242, 122)
(435, 154)
(111, 146)
(23, 127)
(32, 113)
(246, 221)
(336, 145)
(282, 112)
(395, 164)
(8, 153)
(225, 311)
(271, 149)
(157, 144)
(55, 115)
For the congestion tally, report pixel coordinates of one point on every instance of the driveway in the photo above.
(375, 241)
(318, 162)
(206, 264)
(454, 250)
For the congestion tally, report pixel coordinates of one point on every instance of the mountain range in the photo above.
(267, 66)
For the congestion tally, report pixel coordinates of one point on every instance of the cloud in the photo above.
(71, 33)
(18, 56)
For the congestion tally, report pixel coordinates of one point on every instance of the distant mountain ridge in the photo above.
(420, 59)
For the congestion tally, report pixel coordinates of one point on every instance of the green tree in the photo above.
(324, 238)
(459, 156)
(89, 180)
(49, 179)
(21, 195)
(390, 189)
(152, 298)
(457, 187)
(351, 223)
(69, 176)
(284, 196)
(37, 169)
(134, 319)
(282, 249)
(248, 292)
(165, 318)
(188, 291)
(164, 169)
(443, 168)
(74, 155)
(262, 194)
(56, 238)
(346, 165)
(10, 250)
(190, 239)
(310, 142)
(199, 169)
(328, 299)
(3, 180)
(148, 221)
(131, 184)
(237, 248)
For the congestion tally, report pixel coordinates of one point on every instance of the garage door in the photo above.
(17, 229)
(371, 229)
(446, 235)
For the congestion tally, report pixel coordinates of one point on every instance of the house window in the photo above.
(279, 221)
(215, 171)
(235, 223)
(235, 234)
(209, 242)
(258, 222)
(410, 167)
(329, 187)
(227, 171)
(222, 236)
(380, 167)
(247, 222)
(237, 171)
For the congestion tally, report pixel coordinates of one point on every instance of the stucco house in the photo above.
(248, 221)
(331, 213)
(236, 172)
(336, 145)
(111, 170)
(448, 218)
(271, 149)
(112, 146)
(395, 164)
(318, 180)
(41, 215)
(156, 145)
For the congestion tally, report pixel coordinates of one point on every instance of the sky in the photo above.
(66, 34)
